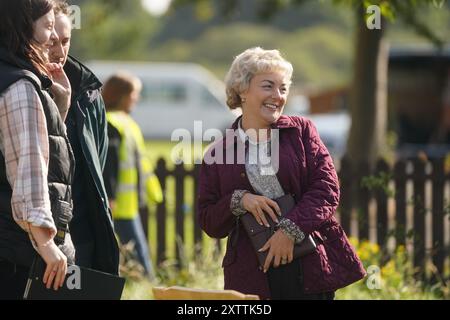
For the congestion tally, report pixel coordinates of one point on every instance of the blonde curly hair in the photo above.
(249, 63)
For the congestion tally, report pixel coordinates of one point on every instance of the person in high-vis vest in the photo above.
(129, 179)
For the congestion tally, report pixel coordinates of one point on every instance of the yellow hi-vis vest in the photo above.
(132, 148)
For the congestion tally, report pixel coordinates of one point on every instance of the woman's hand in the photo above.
(281, 250)
(61, 88)
(56, 261)
(259, 205)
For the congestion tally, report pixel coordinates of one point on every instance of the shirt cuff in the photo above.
(291, 230)
(236, 203)
(41, 218)
(38, 217)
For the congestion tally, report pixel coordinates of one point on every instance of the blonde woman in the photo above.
(258, 82)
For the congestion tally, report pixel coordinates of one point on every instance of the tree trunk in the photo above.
(368, 95)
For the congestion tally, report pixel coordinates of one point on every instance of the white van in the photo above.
(174, 95)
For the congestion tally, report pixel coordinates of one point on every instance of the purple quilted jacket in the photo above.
(306, 170)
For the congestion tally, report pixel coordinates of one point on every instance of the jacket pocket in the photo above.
(330, 233)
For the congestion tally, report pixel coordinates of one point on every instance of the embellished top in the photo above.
(262, 177)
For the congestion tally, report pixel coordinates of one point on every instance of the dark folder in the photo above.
(80, 284)
(259, 235)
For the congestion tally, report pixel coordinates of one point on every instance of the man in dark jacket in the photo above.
(91, 227)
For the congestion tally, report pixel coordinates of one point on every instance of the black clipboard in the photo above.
(80, 284)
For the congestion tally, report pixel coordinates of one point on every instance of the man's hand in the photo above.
(61, 88)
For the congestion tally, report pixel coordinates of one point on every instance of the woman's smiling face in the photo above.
(266, 97)
(44, 31)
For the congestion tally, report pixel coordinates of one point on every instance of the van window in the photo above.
(208, 100)
(166, 93)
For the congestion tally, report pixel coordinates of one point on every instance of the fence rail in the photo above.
(408, 204)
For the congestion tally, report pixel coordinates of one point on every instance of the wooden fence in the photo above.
(407, 204)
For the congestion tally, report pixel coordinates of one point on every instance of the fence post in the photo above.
(382, 195)
(362, 201)
(144, 215)
(419, 215)
(180, 174)
(400, 202)
(197, 231)
(161, 209)
(346, 203)
(438, 250)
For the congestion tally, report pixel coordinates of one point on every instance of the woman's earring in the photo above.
(243, 100)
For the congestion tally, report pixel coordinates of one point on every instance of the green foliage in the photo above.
(379, 181)
(320, 49)
(203, 272)
(393, 280)
(138, 290)
(113, 30)
(409, 12)
(321, 55)
(447, 209)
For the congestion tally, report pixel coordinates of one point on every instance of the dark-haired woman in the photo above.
(36, 161)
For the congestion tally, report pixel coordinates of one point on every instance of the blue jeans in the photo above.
(131, 230)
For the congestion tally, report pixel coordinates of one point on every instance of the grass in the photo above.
(395, 280)
(199, 272)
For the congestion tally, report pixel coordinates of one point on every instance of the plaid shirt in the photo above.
(24, 144)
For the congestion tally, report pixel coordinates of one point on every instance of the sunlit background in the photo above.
(156, 7)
